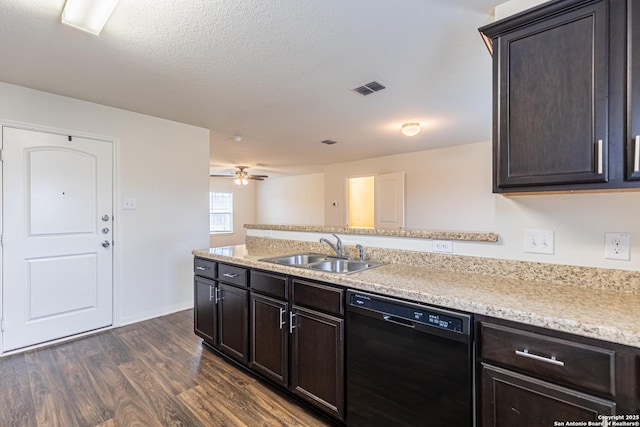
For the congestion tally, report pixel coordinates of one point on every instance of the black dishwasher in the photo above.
(407, 364)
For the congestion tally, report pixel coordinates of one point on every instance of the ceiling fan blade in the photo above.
(261, 177)
(222, 176)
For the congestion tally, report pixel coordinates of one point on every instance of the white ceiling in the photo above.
(276, 72)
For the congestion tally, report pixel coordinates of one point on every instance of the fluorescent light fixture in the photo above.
(411, 129)
(88, 15)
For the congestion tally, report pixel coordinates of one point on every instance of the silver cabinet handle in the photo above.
(291, 325)
(230, 275)
(636, 155)
(217, 296)
(202, 268)
(282, 321)
(106, 244)
(210, 293)
(600, 157)
(552, 360)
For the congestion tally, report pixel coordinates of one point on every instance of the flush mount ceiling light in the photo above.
(88, 15)
(411, 129)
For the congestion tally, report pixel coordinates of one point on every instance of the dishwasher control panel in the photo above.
(431, 316)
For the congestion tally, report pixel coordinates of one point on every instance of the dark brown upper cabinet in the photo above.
(559, 100)
(633, 135)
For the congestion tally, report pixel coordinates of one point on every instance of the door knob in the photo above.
(106, 218)
(105, 231)
(106, 244)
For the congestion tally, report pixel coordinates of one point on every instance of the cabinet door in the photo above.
(633, 136)
(550, 100)
(269, 338)
(233, 314)
(318, 359)
(204, 320)
(511, 399)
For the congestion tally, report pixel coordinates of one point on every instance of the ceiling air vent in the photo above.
(369, 88)
(329, 141)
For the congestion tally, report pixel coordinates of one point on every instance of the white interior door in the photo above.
(57, 276)
(389, 200)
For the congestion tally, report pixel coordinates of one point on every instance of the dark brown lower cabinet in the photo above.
(233, 315)
(317, 352)
(512, 399)
(205, 323)
(270, 338)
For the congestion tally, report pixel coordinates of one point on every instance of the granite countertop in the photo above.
(597, 313)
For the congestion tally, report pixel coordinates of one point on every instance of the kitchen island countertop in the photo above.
(608, 315)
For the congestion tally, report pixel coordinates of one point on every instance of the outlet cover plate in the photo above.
(443, 246)
(538, 241)
(617, 246)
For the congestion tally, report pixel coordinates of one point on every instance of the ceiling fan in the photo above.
(242, 177)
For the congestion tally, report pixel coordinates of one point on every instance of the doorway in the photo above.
(376, 201)
(57, 228)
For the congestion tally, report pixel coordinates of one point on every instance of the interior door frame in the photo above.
(347, 191)
(115, 282)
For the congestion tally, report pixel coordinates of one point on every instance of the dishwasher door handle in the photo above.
(398, 321)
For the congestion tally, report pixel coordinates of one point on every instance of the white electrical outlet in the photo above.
(445, 246)
(538, 241)
(617, 246)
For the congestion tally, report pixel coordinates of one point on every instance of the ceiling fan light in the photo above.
(244, 181)
(411, 129)
(237, 181)
(88, 15)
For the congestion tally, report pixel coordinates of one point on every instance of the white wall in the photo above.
(297, 200)
(450, 189)
(164, 165)
(244, 210)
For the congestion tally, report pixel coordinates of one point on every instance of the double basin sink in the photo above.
(322, 262)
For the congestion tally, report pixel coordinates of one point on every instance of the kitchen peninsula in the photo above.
(544, 334)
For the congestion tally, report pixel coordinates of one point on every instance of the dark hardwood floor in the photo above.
(152, 373)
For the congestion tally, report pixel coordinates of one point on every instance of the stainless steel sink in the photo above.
(296, 259)
(343, 265)
(323, 263)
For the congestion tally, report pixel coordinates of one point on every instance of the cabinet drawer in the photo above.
(269, 284)
(320, 297)
(554, 358)
(204, 267)
(232, 274)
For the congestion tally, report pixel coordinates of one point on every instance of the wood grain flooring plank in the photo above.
(178, 375)
(16, 404)
(225, 391)
(76, 385)
(113, 346)
(50, 404)
(284, 408)
(118, 394)
(200, 404)
(158, 397)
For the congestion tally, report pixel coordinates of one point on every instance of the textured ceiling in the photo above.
(276, 72)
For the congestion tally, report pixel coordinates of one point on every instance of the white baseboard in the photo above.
(150, 314)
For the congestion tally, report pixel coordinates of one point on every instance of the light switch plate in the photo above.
(129, 204)
(538, 241)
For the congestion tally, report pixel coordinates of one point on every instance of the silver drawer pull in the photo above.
(552, 360)
(230, 275)
(202, 268)
(636, 155)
